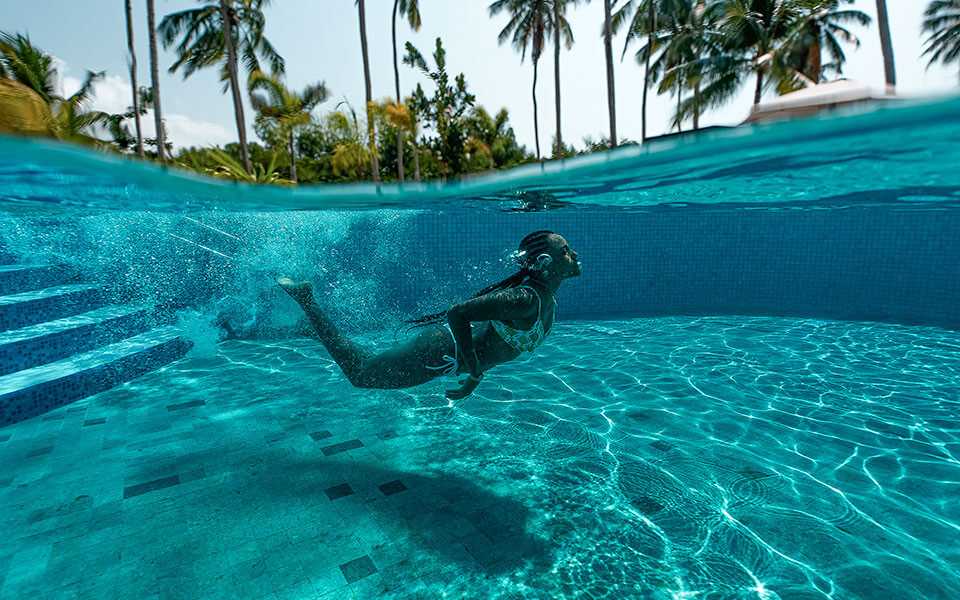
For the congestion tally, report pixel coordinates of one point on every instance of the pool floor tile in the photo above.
(342, 447)
(357, 569)
(39, 451)
(149, 486)
(183, 405)
(339, 491)
(392, 487)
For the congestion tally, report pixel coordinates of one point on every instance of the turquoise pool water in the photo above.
(752, 392)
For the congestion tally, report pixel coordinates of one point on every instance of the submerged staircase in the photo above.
(61, 341)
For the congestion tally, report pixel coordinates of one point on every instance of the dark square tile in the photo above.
(4, 437)
(646, 505)
(40, 451)
(754, 474)
(90, 422)
(342, 447)
(339, 491)
(157, 484)
(357, 569)
(662, 446)
(57, 416)
(638, 415)
(5, 482)
(392, 487)
(320, 435)
(184, 405)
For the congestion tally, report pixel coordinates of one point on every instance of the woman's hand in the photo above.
(467, 385)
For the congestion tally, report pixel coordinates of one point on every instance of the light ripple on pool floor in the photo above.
(735, 456)
(665, 458)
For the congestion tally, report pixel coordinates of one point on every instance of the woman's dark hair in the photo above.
(531, 246)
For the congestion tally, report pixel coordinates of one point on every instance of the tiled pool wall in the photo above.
(889, 263)
(866, 263)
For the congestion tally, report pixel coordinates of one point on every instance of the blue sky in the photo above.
(320, 41)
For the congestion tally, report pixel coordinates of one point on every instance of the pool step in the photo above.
(28, 308)
(46, 342)
(22, 278)
(37, 390)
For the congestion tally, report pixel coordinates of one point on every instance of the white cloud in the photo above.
(184, 131)
(112, 94)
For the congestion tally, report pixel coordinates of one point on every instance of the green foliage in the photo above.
(282, 111)
(221, 164)
(26, 64)
(444, 111)
(941, 23)
(70, 118)
(712, 47)
(286, 108)
(531, 21)
(201, 40)
(118, 126)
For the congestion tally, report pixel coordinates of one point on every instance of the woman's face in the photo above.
(565, 263)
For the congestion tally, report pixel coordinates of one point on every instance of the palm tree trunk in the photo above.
(608, 51)
(128, 5)
(558, 148)
(696, 106)
(536, 127)
(679, 99)
(646, 73)
(155, 82)
(416, 159)
(371, 132)
(396, 77)
(815, 58)
(293, 158)
(232, 69)
(889, 68)
(759, 91)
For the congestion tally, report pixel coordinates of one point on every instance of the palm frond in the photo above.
(411, 10)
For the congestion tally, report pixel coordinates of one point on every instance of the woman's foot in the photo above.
(301, 291)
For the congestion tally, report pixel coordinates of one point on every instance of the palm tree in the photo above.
(34, 69)
(752, 33)
(128, 9)
(155, 81)
(561, 33)
(286, 108)
(608, 53)
(411, 10)
(223, 32)
(643, 23)
(530, 23)
(371, 132)
(942, 22)
(820, 26)
(26, 64)
(685, 34)
(71, 119)
(886, 43)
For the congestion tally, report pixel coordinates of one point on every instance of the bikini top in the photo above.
(524, 340)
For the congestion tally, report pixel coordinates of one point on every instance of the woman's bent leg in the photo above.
(399, 367)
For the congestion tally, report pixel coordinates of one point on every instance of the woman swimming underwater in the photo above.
(517, 313)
